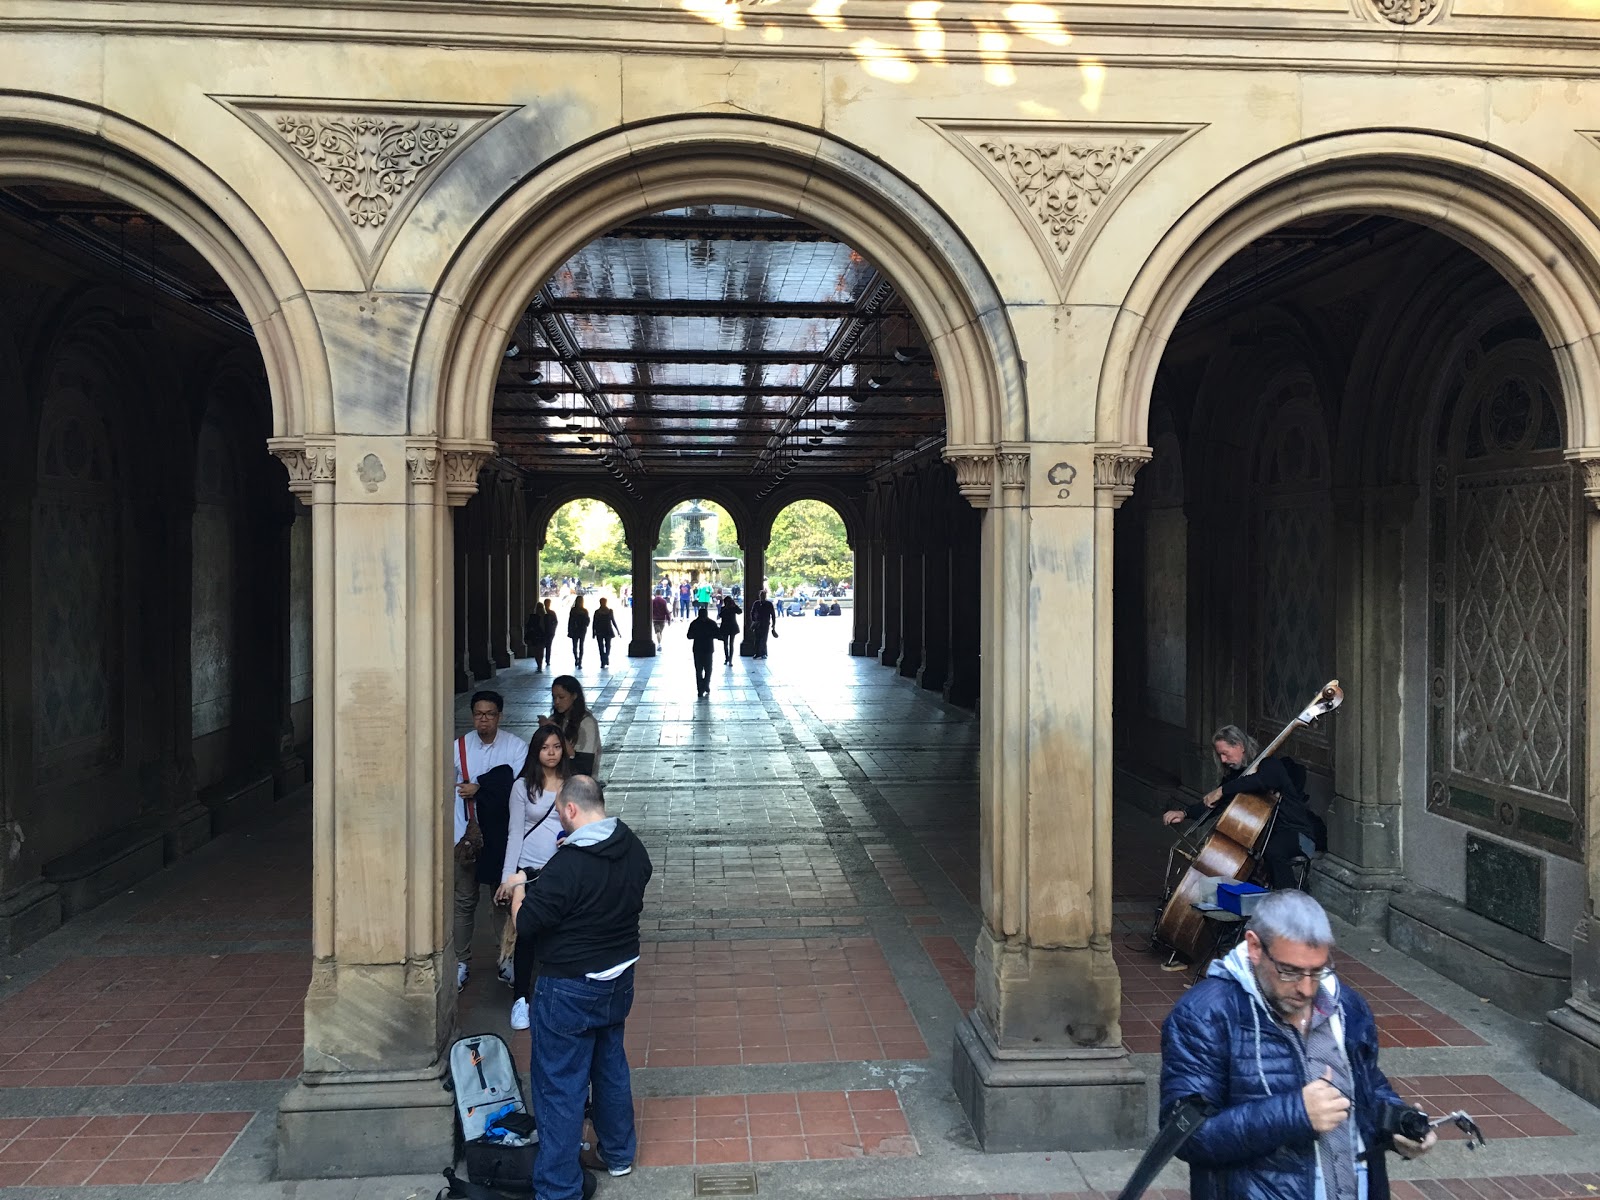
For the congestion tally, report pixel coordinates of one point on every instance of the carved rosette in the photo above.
(1115, 469)
(974, 474)
(308, 463)
(462, 461)
(1405, 12)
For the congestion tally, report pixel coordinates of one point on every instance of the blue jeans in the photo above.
(577, 1041)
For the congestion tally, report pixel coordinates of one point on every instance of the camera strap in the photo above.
(1190, 1114)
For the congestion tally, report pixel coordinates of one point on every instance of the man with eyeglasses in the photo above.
(1286, 1059)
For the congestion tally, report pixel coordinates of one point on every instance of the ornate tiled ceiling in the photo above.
(717, 338)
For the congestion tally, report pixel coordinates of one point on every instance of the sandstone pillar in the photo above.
(381, 1005)
(1363, 865)
(289, 770)
(1569, 1049)
(1039, 1063)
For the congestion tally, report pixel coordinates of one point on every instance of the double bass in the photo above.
(1225, 844)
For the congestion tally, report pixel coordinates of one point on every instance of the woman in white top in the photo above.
(530, 842)
(576, 723)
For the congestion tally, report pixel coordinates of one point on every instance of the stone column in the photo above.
(1364, 865)
(500, 572)
(1569, 1048)
(289, 769)
(913, 579)
(863, 598)
(935, 668)
(461, 671)
(641, 553)
(893, 577)
(1039, 1063)
(961, 687)
(874, 562)
(480, 653)
(754, 546)
(519, 605)
(380, 1010)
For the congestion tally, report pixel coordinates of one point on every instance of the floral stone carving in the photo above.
(1063, 183)
(368, 162)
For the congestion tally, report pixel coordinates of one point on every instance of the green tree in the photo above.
(585, 540)
(808, 545)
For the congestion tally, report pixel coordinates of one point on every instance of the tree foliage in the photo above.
(809, 546)
(585, 540)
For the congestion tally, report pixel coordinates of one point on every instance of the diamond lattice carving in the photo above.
(1511, 645)
(1294, 541)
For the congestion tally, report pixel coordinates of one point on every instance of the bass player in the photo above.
(1296, 831)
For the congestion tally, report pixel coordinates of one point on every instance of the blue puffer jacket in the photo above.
(1222, 1043)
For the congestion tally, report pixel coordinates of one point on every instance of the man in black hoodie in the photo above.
(583, 916)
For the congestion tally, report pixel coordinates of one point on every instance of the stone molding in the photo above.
(309, 461)
(1014, 473)
(1064, 179)
(1114, 470)
(367, 163)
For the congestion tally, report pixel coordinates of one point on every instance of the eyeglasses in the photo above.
(1290, 974)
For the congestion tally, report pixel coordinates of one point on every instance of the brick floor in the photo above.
(772, 1127)
(1498, 1187)
(749, 876)
(1499, 1111)
(887, 862)
(121, 1150)
(954, 968)
(720, 1003)
(156, 1019)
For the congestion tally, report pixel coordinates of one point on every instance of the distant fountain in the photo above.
(694, 548)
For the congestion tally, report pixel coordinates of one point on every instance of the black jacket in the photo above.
(493, 806)
(583, 911)
(604, 624)
(577, 622)
(1277, 774)
(705, 635)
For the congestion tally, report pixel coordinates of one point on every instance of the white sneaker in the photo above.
(519, 1015)
(461, 976)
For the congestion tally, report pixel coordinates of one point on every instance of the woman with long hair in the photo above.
(577, 630)
(728, 626)
(535, 826)
(570, 714)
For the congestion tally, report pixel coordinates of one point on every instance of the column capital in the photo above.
(310, 461)
(1115, 466)
(1587, 460)
(975, 473)
(463, 458)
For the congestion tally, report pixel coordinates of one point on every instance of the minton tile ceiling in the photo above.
(717, 338)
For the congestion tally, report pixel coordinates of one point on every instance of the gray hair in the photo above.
(584, 791)
(1288, 916)
(1232, 735)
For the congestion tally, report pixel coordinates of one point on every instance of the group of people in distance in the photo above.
(568, 884)
(539, 631)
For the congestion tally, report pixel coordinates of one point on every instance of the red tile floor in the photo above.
(780, 1019)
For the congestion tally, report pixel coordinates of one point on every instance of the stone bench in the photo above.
(1520, 974)
(109, 864)
(234, 802)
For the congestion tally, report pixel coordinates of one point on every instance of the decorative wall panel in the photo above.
(77, 547)
(1507, 591)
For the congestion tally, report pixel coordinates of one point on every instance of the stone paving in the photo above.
(807, 955)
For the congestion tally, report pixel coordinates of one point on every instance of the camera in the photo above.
(1405, 1122)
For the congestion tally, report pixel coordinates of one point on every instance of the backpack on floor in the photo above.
(496, 1126)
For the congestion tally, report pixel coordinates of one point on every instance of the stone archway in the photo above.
(57, 141)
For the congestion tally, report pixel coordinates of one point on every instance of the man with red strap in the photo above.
(487, 761)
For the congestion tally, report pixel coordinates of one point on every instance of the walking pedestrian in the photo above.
(534, 826)
(552, 622)
(703, 632)
(533, 634)
(728, 626)
(583, 916)
(605, 628)
(683, 599)
(660, 616)
(577, 630)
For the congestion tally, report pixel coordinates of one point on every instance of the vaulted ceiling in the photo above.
(717, 339)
